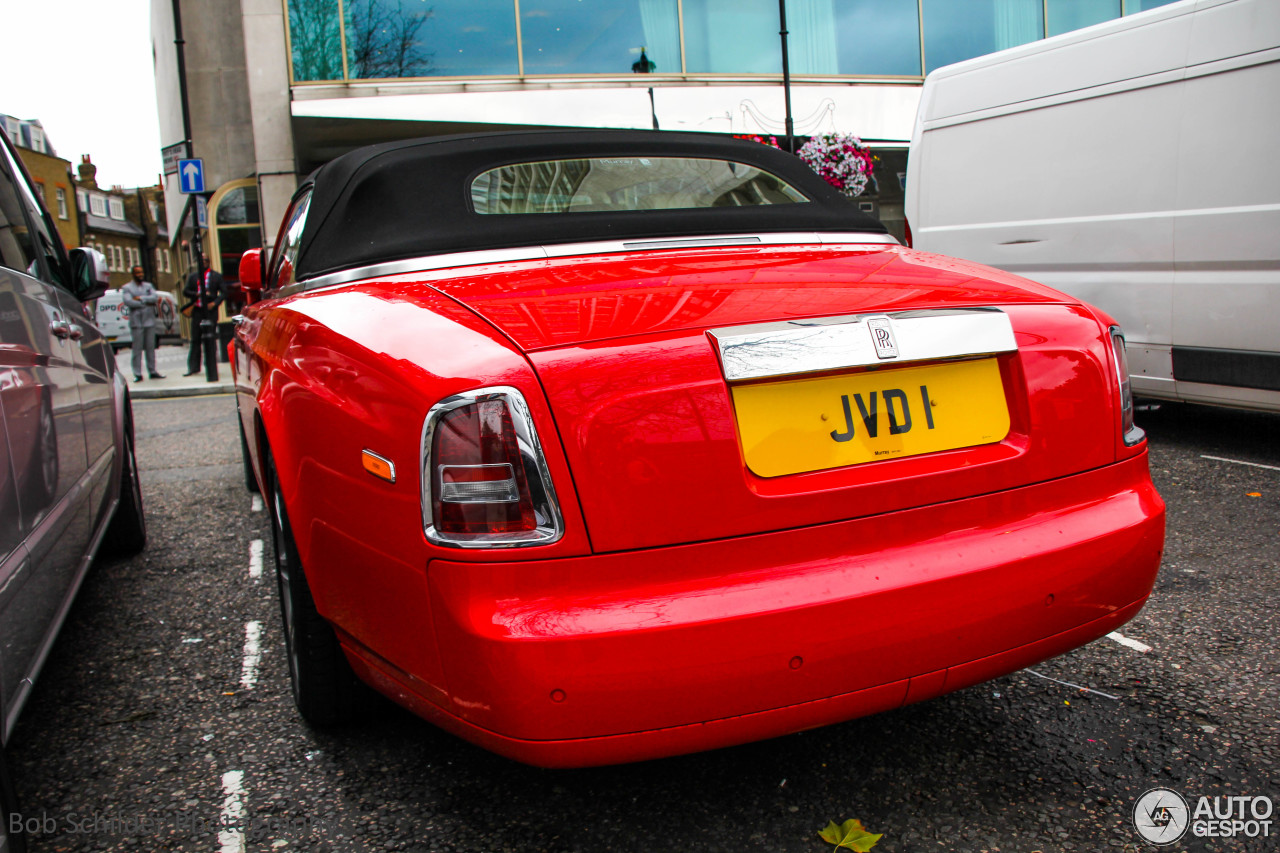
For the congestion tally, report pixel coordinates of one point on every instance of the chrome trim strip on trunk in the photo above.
(604, 247)
(797, 347)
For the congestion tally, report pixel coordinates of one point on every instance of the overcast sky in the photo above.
(84, 69)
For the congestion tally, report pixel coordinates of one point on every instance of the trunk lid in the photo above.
(660, 443)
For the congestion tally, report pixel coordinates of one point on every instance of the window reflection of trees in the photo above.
(316, 39)
(383, 39)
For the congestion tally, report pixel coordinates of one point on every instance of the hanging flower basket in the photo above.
(841, 159)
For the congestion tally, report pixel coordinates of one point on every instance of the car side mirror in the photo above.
(89, 275)
(251, 275)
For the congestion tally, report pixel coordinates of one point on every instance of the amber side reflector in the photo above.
(383, 469)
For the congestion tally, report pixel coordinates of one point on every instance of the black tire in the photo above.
(15, 842)
(250, 481)
(127, 533)
(325, 688)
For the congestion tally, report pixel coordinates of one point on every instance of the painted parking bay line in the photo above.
(231, 837)
(1239, 462)
(252, 655)
(1126, 641)
(255, 559)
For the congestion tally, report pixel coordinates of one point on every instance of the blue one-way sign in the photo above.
(191, 176)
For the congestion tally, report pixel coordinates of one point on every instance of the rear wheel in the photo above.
(325, 688)
(127, 533)
(250, 481)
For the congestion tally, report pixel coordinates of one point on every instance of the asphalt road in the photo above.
(164, 715)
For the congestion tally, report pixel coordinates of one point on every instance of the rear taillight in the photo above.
(485, 480)
(1132, 433)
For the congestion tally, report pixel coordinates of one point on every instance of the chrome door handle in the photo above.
(76, 332)
(60, 329)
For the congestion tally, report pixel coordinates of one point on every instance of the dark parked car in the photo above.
(68, 478)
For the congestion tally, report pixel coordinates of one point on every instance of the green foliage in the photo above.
(851, 835)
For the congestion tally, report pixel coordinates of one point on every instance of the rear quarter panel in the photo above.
(323, 376)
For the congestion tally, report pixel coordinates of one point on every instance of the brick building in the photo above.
(144, 206)
(106, 226)
(51, 174)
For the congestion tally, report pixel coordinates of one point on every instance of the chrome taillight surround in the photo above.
(550, 522)
(1131, 433)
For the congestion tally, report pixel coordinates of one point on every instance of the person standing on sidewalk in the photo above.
(140, 298)
(205, 293)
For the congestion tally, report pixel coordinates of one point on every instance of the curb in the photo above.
(138, 393)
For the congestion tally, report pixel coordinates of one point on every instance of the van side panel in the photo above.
(1227, 233)
(1132, 165)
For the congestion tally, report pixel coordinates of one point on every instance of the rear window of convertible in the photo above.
(617, 184)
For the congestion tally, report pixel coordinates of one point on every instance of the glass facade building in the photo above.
(351, 40)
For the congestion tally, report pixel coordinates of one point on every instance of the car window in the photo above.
(615, 184)
(33, 236)
(286, 250)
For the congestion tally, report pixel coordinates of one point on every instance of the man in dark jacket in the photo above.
(204, 293)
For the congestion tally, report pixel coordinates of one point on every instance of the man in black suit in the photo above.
(205, 293)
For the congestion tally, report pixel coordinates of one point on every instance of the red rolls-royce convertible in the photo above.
(593, 447)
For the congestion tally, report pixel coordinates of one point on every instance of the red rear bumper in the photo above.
(636, 655)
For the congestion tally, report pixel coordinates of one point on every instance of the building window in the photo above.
(97, 205)
(117, 208)
(602, 37)
(315, 38)
(955, 30)
(154, 209)
(62, 202)
(1067, 15)
(82, 201)
(1133, 6)
(872, 37)
(335, 40)
(167, 267)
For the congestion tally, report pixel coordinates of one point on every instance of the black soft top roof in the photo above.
(408, 199)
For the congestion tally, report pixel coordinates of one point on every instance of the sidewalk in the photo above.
(171, 360)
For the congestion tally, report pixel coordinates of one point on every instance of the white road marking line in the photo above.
(252, 654)
(255, 559)
(231, 837)
(1239, 462)
(1125, 641)
(1069, 684)
(256, 505)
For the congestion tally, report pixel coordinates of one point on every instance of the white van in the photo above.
(113, 318)
(1133, 164)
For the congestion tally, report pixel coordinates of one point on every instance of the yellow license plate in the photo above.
(799, 425)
